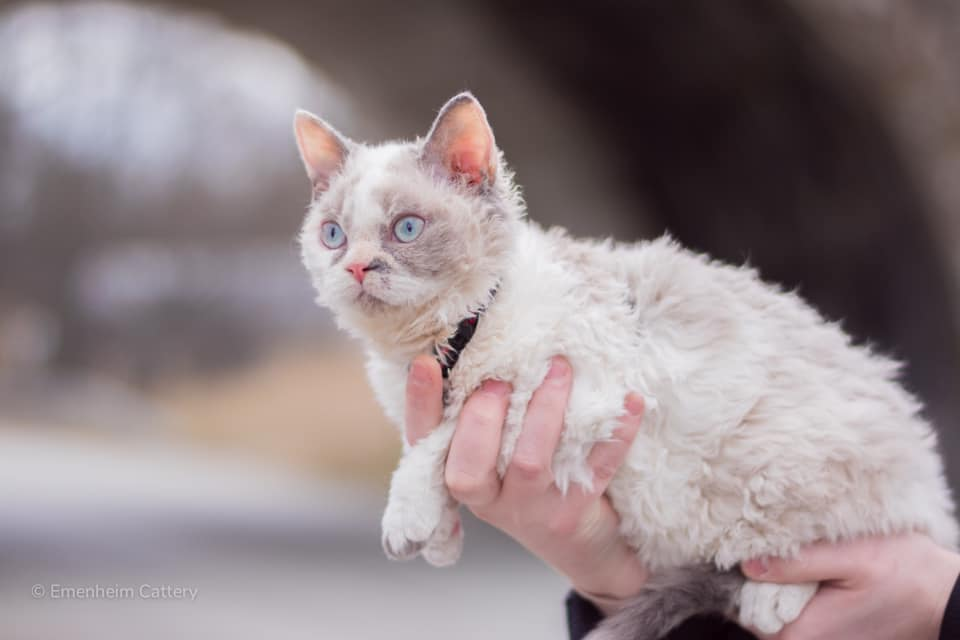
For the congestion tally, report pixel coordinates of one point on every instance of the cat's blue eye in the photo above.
(408, 228)
(332, 235)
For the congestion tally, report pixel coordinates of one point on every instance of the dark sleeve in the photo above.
(582, 617)
(950, 627)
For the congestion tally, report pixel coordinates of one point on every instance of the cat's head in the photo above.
(403, 230)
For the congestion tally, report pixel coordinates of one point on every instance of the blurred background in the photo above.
(174, 410)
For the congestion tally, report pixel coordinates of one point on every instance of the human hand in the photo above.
(576, 534)
(892, 588)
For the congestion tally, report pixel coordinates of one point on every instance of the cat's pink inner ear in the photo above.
(321, 148)
(461, 141)
(471, 158)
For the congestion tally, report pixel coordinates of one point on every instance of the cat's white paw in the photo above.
(793, 598)
(767, 607)
(407, 528)
(446, 544)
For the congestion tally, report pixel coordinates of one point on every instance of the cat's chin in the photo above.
(369, 303)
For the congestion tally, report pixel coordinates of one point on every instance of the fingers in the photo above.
(529, 471)
(817, 563)
(471, 470)
(606, 457)
(424, 408)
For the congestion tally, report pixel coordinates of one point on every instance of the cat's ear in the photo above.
(322, 149)
(461, 142)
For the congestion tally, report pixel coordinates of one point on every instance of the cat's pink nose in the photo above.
(359, 270)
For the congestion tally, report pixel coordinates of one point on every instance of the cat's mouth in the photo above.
(368, 301)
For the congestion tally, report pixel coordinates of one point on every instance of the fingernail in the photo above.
(495, 387)
(634, 404)
(559, 367)
(756, 567)
(419, 374)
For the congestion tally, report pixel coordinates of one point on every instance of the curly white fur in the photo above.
(765, 428)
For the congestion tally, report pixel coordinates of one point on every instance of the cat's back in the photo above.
(657, 314)
(707, 318)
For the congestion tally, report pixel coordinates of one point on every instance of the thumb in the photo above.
(817, 563)
(424, 399)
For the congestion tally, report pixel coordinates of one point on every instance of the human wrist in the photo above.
(607, 605)
(610, 589)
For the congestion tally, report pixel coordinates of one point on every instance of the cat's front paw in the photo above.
(446, 544)
(406, 529)
(767, 607)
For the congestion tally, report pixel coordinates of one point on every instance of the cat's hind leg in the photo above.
(767, 607)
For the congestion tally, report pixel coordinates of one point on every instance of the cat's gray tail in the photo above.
(669, 598)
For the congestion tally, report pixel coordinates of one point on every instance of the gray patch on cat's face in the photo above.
(434, 252)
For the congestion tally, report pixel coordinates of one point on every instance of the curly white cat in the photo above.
(766, 427)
